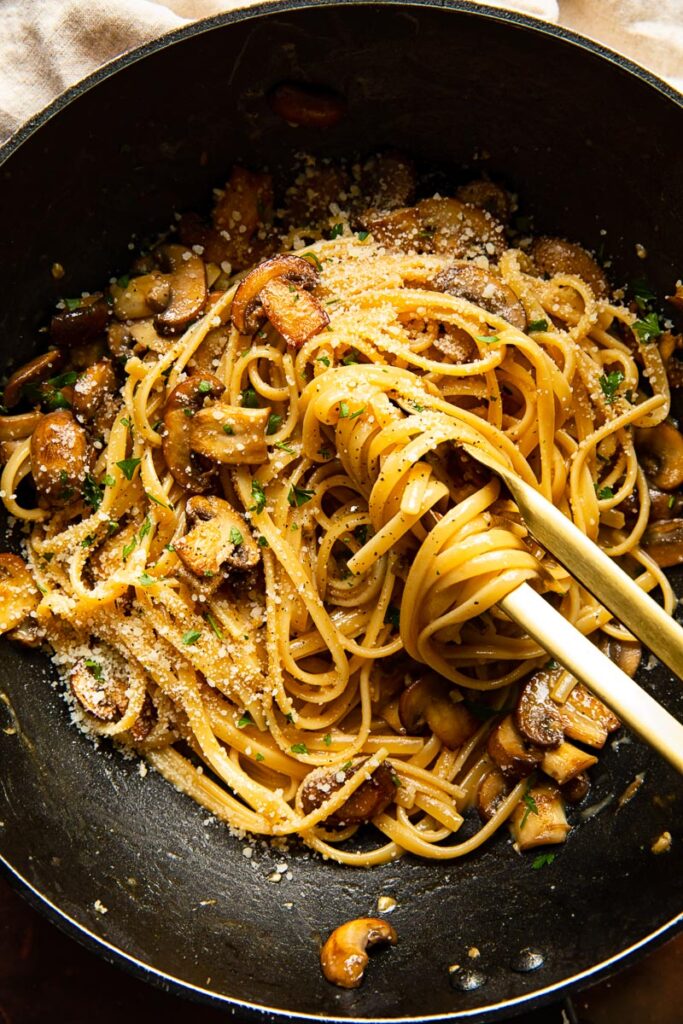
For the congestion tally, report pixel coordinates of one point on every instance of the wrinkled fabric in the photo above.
(48, 45)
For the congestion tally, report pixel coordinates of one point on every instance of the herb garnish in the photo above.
(236, 537)
(299, 748)
(191, 637)
(542, 860)
(531, 808)
(244, 721)
(259, 496)
(537, 325)
(298, 496)
(274, 421)
(128, 467)
(610, 384)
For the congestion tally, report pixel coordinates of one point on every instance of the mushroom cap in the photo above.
(247, 312)
(60, 457)
(35, 371)
(428, 704)
(660, 450)
(370, 799)
(188, 290)
(558, 256)
(483, 288)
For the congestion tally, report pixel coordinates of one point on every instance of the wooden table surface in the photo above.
(47, 977)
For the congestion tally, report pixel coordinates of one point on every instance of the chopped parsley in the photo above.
(345, 767)
(147, 581)
(87, 541)
(487, 339)
(647, 328)
(129, 548)
(362, 235)
(671, 501)
(604, 493)
(145, 528)
(542, 860)
(610, 385)
(531, 808)
(263, 543)
(236, 537)
(94, 668)
(274, 421)
(299, 748)
(392, 616)
(284, 447)
(324, 360)
(346, 414)
(312, 258)
(395, 779)
(298, 496)
(337, 230)
(259, 497)
(643, 294)
(244, 721)
(191, 637)
(72, 304)
(92, 492)
(290, 717)
(259, 756)
(327, 739)
(204, 386)
(128, 467)
(538, 325)
(351, 358)
(228, 429)
(158, 501)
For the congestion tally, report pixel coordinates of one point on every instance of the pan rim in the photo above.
(81, 932)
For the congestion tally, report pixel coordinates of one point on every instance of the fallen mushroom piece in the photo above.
(230, 434)
(59, 457)
(624, 653)
(309, 198)
(487, 196)
(18, 593)
(492, 791)
(182, 405)
(242, 217)
(459, 229)
(557, 256)
(344, 958)
(247, 313)
(484, 289)
(566, 762)
(537, 715)
(397, 229)
(371, 798)
(142, 296)
(104, 698)
(306, 106)
(387, 181)
(660, 450)
(428, 704)
(539, 818)
(188, 291)
(577, 789)
(218, 540)
(93, 388)
(20, 426)
(587, 719)
(663, 541)
(513, 754)
(294, 313)
(76, 326)
(35, 372)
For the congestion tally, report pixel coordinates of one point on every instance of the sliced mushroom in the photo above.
(142, 296)
(18, 593)
(492, 791)
(207, 356)
(306, 106)
(587, 719)
(660, 450)
(428, 704)
(247, 311)
(343, 957)
(663, 541)
(566, 762)
(557, 256)
(539, 819)
(510, 750)
(106, 697)
(537, 715)
(624, 653)
(387, 181)
(459, 229)
(31, 374)
(487, 196)
(230, 434)
(192, 230)
(240, 216)
(577, 789)
(218, 540)
(309, 198)
(119, 341)
(182, 405)
(59, 457)
(16, 428)
(93, 389)
(188, 291)
(371, 798)
(484, 289)
(77, 326)
(397, 229)
(294, 313)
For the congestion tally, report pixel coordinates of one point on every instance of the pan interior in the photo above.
(590, 149)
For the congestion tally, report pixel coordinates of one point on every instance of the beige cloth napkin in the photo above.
(47, 45)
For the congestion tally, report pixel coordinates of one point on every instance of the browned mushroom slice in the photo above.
(539, 819)
(387, 181)
(557, 256)
(484, 289)
(677, 298)
(193, 231)
(307, 106)
(537, 715)
(487, 196)
(459, 230)
(76, 326)
(660, 450)
(105, 699)
(18, 593)
(513, 754)
(29, 633)
(240, 216)
(231, 434)
(294, 313)
(663, 541)
(577, 789)
(182, 405)
(16, 428)
(309, 198)
(492, 791)
(59, 457)
(188, 289)
(428, 704)
(624, 653)
(219, 539)
(371, 798)
(93, 388)
(566, 762)
(397, 229)
(207, 356)
(142, 296)
(31, 374)
(587, 719)
(247, 312)
(343, 958)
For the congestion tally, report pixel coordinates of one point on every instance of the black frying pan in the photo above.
(591, 144)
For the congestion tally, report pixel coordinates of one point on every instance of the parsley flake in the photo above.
(604, 493)
(610, 385)
(228, 429)
(244, 721)
(191, 637)
(259, 497)
(94, 668)
(337, 230)
(327, 739)
(324, 360)
(128, 467)
(531, 808)
(92, 492)
(537, 325)
(249, 398)
(299, 748)
(298, 496)
(647, 328)
(214, 625)
(274, 421)
(236, 537)
(542, 860)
